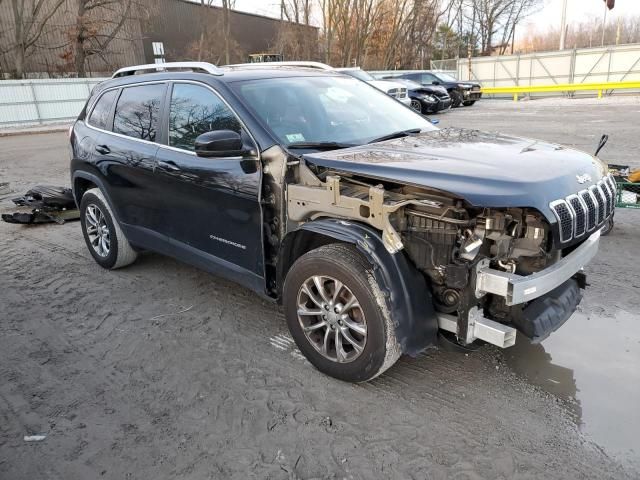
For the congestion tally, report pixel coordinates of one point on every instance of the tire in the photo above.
(379, 348)
(416, 105)
(456, 98)
(468, 103)
(115, 251)
(606, 230)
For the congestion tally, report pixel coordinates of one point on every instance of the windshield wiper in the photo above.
(320, 145)
(400, 134)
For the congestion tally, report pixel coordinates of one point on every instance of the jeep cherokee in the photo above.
(374, 229)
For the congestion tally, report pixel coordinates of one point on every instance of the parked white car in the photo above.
(391, 88)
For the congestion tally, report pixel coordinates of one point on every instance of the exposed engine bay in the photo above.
(443, 236)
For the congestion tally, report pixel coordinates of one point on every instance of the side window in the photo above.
(138, 111)
(196, 110)
(99, 117)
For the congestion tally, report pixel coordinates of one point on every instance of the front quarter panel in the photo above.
(407, 295)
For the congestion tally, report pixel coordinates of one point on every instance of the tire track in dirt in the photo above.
(123, 390)
(399, 379)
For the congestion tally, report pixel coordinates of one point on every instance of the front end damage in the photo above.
(490, 271)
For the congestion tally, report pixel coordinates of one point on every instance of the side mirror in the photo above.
(219, 143)
(435, 82)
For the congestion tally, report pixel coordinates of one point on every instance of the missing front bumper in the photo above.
(480, 328)
(517, 289)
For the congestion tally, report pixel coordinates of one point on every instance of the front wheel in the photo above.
(416, 105)
(468, 103)
(456, 98)
(337, 315)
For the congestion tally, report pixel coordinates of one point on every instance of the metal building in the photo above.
(154, 30)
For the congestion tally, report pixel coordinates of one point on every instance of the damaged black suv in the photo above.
(373, 228)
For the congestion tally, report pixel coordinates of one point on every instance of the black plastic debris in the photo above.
(48, 204)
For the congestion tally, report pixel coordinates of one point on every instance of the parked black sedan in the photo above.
(426, 98)
(461, 93)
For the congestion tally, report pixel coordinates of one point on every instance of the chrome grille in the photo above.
(582, 212)
(393, 92)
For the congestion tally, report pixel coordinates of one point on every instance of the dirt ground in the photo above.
(162, 371)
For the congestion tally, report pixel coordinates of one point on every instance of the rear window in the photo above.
(138, 111)
(99, 117)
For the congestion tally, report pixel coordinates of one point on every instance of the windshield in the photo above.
(359, 74)
(445, 77)
(327, 109)
(408, 83)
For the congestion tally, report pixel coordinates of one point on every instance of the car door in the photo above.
(213, 210)
(126, 152)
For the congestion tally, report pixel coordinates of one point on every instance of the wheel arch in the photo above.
(83, 181)
(413, 314)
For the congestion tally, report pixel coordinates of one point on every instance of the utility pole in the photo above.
(563, 25)
(604, 22)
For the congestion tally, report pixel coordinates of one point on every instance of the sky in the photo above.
(548, 16)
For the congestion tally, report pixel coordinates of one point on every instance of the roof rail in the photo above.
(163, 67)
(321, 66)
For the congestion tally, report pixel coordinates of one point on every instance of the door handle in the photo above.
(103, 149)
(168, 165)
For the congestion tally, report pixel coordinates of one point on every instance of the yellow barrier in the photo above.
(563, 87)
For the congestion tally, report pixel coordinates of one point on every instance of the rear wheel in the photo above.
(337, 315)
(104, 237)
(468, 103)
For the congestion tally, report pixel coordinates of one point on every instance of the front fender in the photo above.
(406, 292)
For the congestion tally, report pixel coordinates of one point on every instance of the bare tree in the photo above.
(587, 33)
(204, 25)
(227, 5)
(97, 24)
(493, 17)
(31, 18)
(298, 11)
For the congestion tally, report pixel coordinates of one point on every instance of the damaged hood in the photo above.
(486, 169)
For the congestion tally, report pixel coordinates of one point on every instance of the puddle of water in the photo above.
(593, 361)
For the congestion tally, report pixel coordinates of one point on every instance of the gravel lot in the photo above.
(162, 371)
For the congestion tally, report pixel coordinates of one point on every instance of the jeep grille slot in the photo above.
(606, 189)
(582, 212)
(600, 201)
(591, 209)
(565, 219)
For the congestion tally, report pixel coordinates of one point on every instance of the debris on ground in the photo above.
(34, 438)
(47, 203)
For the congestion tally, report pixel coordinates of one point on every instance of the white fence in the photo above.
(586, 65)
(39, 102)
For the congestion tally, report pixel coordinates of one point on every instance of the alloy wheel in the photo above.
(331, 318)
(97, 230)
